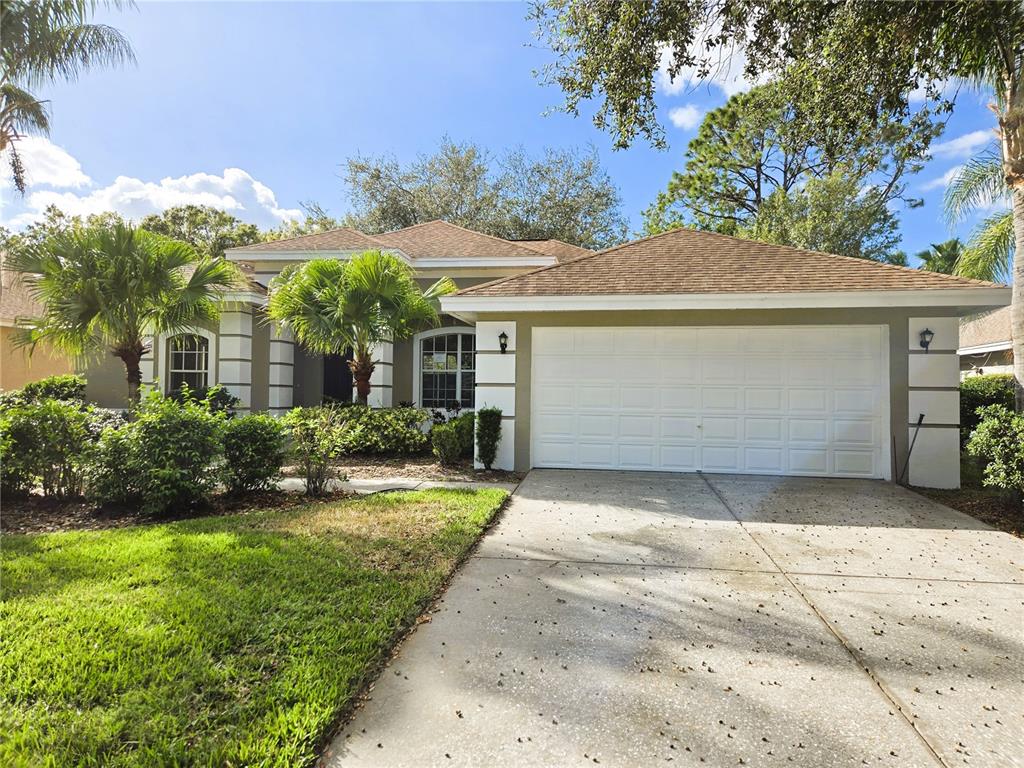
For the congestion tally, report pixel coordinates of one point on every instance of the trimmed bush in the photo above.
(167, 457)
(383, 432)
(69, 387)
(980, 391)
(215, 399)
(488, 434)
(254, 449)
(453, 440)
(999, 440)
(44, 444)
(314, 436)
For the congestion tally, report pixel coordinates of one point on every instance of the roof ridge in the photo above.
(538, 270)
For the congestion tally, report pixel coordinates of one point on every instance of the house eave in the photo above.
(964, 300)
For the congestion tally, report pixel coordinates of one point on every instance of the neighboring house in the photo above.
(985, 343)
(17, 367)
(694, 351)
(684, 351)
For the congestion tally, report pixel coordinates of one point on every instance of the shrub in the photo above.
(387, 431)
(254, 449)
(44, 443)
(999, 440)
(215, 399)
(167, 457)
(314, 440)
(68, 387)
(979, 391)
(488, 434)
(453, 440)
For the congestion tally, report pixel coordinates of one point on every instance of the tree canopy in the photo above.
(207, 229)
(563, 194)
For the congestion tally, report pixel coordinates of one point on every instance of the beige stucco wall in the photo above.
(895, 319)
(18, 367)
(260, 362)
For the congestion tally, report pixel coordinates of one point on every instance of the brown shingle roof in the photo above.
(441, 240)
(344, 239)
(986, 328)
(687, 261)
(560, 250)
(15, 299)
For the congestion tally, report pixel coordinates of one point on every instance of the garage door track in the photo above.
(633, 619)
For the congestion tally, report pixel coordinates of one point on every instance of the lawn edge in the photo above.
(402, 633)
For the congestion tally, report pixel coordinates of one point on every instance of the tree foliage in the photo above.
(332, 306)
(562, 194)
(43, 42)
(942, 257)
(110, 288)
(980, 185)
(207, 229)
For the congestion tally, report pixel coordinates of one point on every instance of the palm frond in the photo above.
(989, 252)
(980, 183)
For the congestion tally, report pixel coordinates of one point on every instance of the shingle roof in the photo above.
(986, 328)
(441, 240)
(562, 251)
(344, 239)
(687, 261)
(15, 299)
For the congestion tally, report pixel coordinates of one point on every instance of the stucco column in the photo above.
(282, 370)
(234, 352)
(383, 376)
(934, 380)
(496, 385)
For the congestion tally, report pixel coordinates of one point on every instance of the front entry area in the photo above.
(778, 400)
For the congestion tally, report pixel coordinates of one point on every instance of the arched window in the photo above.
(447, 369)
(189, 362)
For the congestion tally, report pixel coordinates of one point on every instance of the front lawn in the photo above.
(216, 641)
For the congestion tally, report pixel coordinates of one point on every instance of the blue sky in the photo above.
(254, 107)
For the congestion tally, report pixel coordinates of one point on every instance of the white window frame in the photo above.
(417, 367)
(164, 348)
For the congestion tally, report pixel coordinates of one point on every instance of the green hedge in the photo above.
(382, 432)
(999, 441)
(980, 391)
(453, 440)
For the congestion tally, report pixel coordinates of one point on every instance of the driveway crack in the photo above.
(890, 695)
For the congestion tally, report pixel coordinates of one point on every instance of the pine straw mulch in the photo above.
(423, 467)
(38, 515)
(992, 507)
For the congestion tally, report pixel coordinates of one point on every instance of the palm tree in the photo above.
(941, 257)
(41, 42)
(113, 287)
(333, 306)
(981, 185)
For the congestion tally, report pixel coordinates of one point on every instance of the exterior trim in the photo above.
(240, 254)
(489, 261)
(417, 362)
(938, 297)
(981, 349)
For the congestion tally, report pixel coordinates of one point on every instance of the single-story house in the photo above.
(685, 351)
(985, 345)
(17, 366)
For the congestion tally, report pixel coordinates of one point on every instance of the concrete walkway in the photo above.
(378, 484)
(639, 619)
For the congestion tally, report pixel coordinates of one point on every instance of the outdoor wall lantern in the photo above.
(926, 338)
(503, 341)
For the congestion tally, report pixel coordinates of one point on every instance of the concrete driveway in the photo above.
(629, 619)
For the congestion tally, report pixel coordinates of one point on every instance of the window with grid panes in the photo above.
(189, 362)
(448, 370)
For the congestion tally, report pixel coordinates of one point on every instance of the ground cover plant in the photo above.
(235, 640)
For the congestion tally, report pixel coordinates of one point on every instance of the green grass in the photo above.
(217, 641)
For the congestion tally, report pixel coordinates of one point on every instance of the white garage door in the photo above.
(804, 400)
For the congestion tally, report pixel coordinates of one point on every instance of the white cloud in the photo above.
(963, 146)
(685, 117)
(45, 164)
(234, 191)
(943, 181)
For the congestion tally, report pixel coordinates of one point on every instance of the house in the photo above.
(684, 351)
(17, 367)
(694, 351)
(985, 345)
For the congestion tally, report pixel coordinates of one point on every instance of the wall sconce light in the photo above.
(503, 341)
(926, 338)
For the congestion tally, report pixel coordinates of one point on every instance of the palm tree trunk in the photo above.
(131, 356)
(1017, 300)
(362, 367)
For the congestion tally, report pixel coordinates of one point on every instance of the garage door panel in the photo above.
(795, 400)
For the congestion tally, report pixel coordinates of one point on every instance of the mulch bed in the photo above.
(38, 515)
(997, 509)
(424, 467)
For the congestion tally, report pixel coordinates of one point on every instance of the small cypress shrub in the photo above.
(488, 434)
